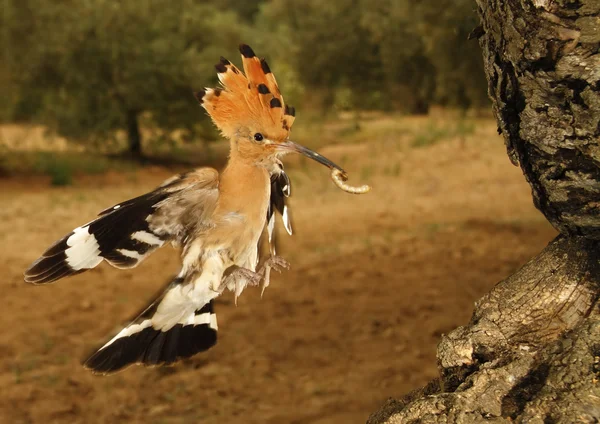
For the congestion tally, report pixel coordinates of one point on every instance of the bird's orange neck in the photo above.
(244, 186)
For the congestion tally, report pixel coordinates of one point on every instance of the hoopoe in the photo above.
(216, 219)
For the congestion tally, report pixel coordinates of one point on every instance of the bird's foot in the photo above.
(239, 273)
(277, 263)
(274, 262)
(238, 278)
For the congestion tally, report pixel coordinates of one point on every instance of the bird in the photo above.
(215, 218)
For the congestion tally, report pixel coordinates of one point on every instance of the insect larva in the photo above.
(339, 179)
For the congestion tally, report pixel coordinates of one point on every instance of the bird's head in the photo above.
(250, 111)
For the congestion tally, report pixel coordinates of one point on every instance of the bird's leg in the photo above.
(236, 278)
(274, 262)
(236, 273)
(277, 263)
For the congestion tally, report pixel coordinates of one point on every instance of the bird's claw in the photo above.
(277, 263)
(238, 278)
(252, 278)
(274, 262)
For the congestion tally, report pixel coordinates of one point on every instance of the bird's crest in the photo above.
(247, 100)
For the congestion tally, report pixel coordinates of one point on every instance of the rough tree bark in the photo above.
(531, 352)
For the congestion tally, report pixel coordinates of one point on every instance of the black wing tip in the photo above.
(49, 269)
(32, 274)
(51, 278)
(36, 280)
(151, 348)
(52, 260)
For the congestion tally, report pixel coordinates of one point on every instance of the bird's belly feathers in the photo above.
(243, 248)
(235, 236)
(237, 221)
(242, 213)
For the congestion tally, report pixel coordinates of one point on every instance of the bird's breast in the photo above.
(241, 211)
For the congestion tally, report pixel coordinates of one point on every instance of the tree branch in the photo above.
(530, 350)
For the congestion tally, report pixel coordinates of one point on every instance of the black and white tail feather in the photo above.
(140, 342)
(124, 235)
(127, 233)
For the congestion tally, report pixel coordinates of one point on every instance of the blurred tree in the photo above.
(328, 47)
(89, 68)
(409, 72)
(444, 27)
(246, 10)
(390, 53)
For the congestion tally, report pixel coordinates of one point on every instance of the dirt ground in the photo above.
(375, 281)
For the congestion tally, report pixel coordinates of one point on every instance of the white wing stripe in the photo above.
(130, 253)
(271, 227)
(128, 331)
(206, 318)
(146, 237)
(200, 319)
(286, 221)
(84, 251)
(213, 322)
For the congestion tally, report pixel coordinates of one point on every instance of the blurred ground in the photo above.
(375, 281)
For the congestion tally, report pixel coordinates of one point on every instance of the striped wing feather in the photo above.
(125, 234)
(140, 342)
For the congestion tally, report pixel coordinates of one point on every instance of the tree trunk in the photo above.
(134, 138)
(531, 352)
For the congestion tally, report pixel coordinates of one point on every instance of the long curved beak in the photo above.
(289, 146)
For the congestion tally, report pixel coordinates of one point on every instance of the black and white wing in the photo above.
(281, 189)
(142, 341)
(125, 234)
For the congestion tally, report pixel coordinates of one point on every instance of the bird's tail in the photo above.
(142, 341)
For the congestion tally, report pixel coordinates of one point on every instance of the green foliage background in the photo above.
(86, 68)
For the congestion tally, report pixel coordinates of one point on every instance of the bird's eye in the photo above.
(258, 137)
